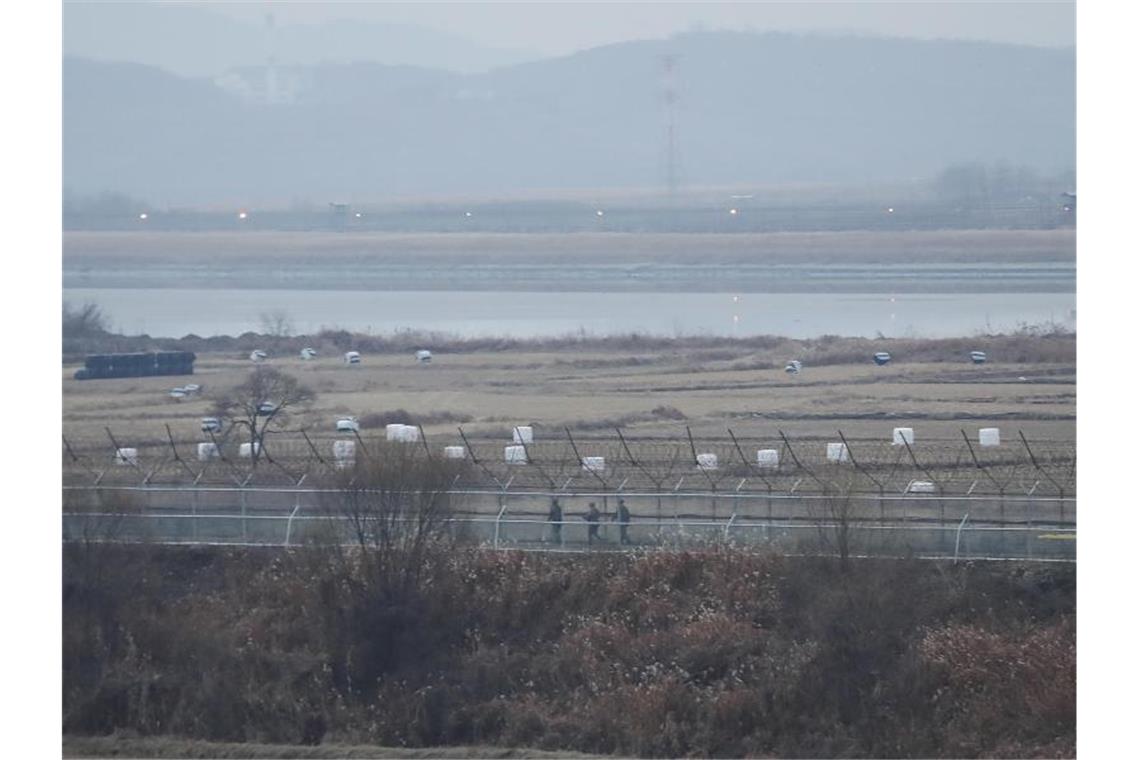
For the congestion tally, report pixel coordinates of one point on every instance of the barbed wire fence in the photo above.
(604, 463)
(727, 488)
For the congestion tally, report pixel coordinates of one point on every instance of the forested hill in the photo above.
(751, 108)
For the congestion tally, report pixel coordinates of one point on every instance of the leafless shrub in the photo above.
(397, 506)
(668, 413)
(276, 323)
(84, 321)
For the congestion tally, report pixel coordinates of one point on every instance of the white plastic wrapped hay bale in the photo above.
(207, 451)
(126, 457)
(423, 356)
(989, 436)
(352, 357)
(308, 353)
(394, 431)
(258, 355)
(523, 434)
(706, 461)
(344, 453)
(837, 452)
(594, 464)
(454, 452)
(347, 425)
(409, 434)
(514, 454)
(921, 486)
(245, 451)
(767, 458)
(901, 436)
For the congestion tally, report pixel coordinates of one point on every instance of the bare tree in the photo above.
(397, 508)
(837, 516)
(276, 323)
(261, 403)
(84, 321)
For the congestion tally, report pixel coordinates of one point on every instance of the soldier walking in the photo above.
(555, 519)
(592, 517)
(621, 517)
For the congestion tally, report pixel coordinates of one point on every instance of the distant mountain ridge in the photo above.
(752, 108)
(191, 39)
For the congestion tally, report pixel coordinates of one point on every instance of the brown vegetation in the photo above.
(714, 654)
(1028, 344)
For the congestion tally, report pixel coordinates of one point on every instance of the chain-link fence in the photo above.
(974, 526)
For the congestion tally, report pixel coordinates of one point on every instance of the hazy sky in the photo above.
(552, 28)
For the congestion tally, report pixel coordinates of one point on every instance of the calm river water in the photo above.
(176, 312)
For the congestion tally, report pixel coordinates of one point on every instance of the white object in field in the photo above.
(454, 452)
(882, 358)
(308, 353)
(402, 433)
(266, 408)
(245, 451)
(211, 425)
(352, 357)
(207, 451)
(989, 436)
(767, 458)
(515, 454)
(793, 367)
(258, 355)
(837, 452)
(347, 425)
(706, 462)
(191, 388)
(978, 357)
(523, 434)
(920, 486)
(423, 356)
(126, 456)
(344, 453)
(594, 464)
(902, 434)
(178, 393)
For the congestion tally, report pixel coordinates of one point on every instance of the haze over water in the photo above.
(178, 312)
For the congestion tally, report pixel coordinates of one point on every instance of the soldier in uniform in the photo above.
(555, 518)
(621, 517)
(593, 517)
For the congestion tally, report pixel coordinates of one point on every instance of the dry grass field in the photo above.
(591, 389)
(142, 249)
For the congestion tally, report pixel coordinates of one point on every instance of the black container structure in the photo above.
(101, 366)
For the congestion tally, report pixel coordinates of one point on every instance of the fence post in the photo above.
(958, 536)
(194, 512)
(1029, 538)
(289, 522)
(728, 526)
(499, 520)
(244, 527)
